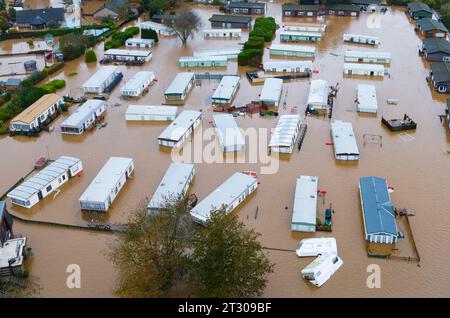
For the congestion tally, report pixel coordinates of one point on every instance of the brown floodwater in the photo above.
(418, 168)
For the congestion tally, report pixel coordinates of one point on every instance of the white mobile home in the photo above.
(228, 196)
(222, 33)
(288, 66)
(306, 27)
(364, 69)
(179, 88)
(292, 50)
(151, 113)
(83, 117)
(228, 133)
(226, 90)
(139, 43)
(175, 183)
(344, 141)
(230, 53)
(362, 39)
(101, 79)
(304, 212)
(137, 83)
(367, 57)
(40, 185)
(120, 55)
(34, 117)
(180, 129)
(105, 187)
(285, 134)
(271, 91)
(367, 99)
(161, 29)
(300, 36)
(318, 94)
(321, 269)
(206, 61)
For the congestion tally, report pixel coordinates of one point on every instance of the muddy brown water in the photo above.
(419, 169)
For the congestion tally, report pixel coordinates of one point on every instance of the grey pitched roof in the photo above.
(418, 6)
(253, 5)
(428, 24)
(230, 18)
(343, 7)
(436, 45)
(377, 206)
(300, 7)
(40, 16)
(441, 72)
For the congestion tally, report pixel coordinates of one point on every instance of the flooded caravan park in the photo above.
(416, 165)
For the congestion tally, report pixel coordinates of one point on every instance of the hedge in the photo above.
(52, 86)
(264, 27)
(250, 44)
(251, 57)
(53, 68)
(149, 34)
(118, 39)
(90, 56)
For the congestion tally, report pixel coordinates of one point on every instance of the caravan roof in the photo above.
(287, 63)
(230, 52)
(101, 76)
(318, 93)
(293, 48)
(226, 87)
(305, 201)
(367, 98)
(82, 113)
(344, 138)
(180, 82)
(180, 125)
(230, 134)
(137, 80)
(158, 110)
(285, 130)
(368, 54)
(272, 89)
(316, 246)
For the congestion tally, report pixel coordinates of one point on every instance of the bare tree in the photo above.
(185, 24)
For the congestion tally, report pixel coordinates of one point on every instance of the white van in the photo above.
(321, 269)
(316, 246)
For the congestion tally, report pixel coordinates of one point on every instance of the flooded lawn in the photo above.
(418, 167)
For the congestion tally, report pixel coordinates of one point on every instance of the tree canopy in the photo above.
(186, 23)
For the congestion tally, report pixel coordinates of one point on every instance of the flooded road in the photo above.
(418, 167)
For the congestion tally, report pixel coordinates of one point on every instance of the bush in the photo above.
(74, 45)
(118, 39)
(251, 44)
(52, 86)
(90, 56)
(54, 68)
(251, 57)
(264, 27)
(149, 34)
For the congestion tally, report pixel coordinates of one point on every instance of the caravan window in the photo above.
(335, 260)
(49, 188)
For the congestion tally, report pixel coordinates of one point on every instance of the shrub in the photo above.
(118, 39)
(149, 34)
(254, 45)
(52, 86)
(74, 45)
(54, 68)
(264, 27)
(251, 57)
(90, 56)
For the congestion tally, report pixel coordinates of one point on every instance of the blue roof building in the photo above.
(378, 212)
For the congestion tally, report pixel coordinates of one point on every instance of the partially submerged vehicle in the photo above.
(321, 269)
(316, 246)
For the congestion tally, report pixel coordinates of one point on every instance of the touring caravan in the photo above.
(321, 269)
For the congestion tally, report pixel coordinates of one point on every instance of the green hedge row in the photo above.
(53, 68)
(252, 57)
(118, 39)
(264, 27)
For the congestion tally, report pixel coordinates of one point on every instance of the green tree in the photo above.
(155, 6)
(185, 24)
(3, 24)
(228, 260)
(74, 45)
(151, 254)
(149, 34)
(90, 56)
(12, 14)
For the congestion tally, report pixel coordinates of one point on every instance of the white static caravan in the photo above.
(205, 61)
(367, 99)
(151, 113)
(180, 129)
(83, 117)
(285, 134)
(288, 66)
(318, 94)
(139, 43)
(271, 91)
(179, 88)
(161, 29)
(321, 269)
(301, 51)
(137, 83)
(230, 53)
(304, 212)
(97, 83)
(344, 141)
(316, 246)
(364, 69)
(226, 90)
(175, 183)
(105, 187)
(222, 33)
(367, 57)
(228, 195)
(305, 27)
(362, 39)
(40, 185)
(128, 55)
(230, 137)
